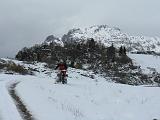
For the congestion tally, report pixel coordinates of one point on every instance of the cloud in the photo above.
(27, 22)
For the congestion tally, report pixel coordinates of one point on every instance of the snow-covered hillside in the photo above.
(83, 98)
(87, 99)
(108, 35)
(101, 33)
(148, 63)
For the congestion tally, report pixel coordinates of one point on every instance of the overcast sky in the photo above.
(27, 22)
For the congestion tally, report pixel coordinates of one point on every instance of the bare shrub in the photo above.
(11, 66)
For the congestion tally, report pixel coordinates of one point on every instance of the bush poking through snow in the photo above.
(10, 68)
(16, 68)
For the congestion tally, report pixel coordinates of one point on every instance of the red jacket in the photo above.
(61, 66)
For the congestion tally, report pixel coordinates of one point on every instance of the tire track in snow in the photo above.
(25, 114)
(7, 106)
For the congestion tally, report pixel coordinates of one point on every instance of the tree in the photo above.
(120, 51)
(124, 50)
(111, 53)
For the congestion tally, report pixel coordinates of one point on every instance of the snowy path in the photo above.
(8, 110)
(84, 98)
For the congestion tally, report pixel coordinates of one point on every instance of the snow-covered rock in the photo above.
(54, 40)
(108, 35)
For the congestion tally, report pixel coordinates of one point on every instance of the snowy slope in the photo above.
(8, 110)
(143, 43)
(148, 63)
(100, 33)
(108, 35)
(83, 98)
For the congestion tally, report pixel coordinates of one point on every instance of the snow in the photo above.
(108, 35)
(101, 33)
(147, 62)
(147, 43)
(83, 98)
(54, 40)
(8, 110)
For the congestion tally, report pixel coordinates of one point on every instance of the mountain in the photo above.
(143, 43)
(101, 33)
(108, 35)
(54, 40)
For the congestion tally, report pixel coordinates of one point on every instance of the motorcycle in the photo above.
(62, 77)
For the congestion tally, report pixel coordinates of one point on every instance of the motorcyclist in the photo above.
(62, 67)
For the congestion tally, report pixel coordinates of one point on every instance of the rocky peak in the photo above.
(54, 40)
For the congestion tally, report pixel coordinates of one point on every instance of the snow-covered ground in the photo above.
(8, 109)
(83, 98)
(147, 62)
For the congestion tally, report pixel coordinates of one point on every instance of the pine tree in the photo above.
(111, 53)
(124, 50)
(120, 51)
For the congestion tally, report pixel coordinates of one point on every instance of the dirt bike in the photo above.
(62, 77)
